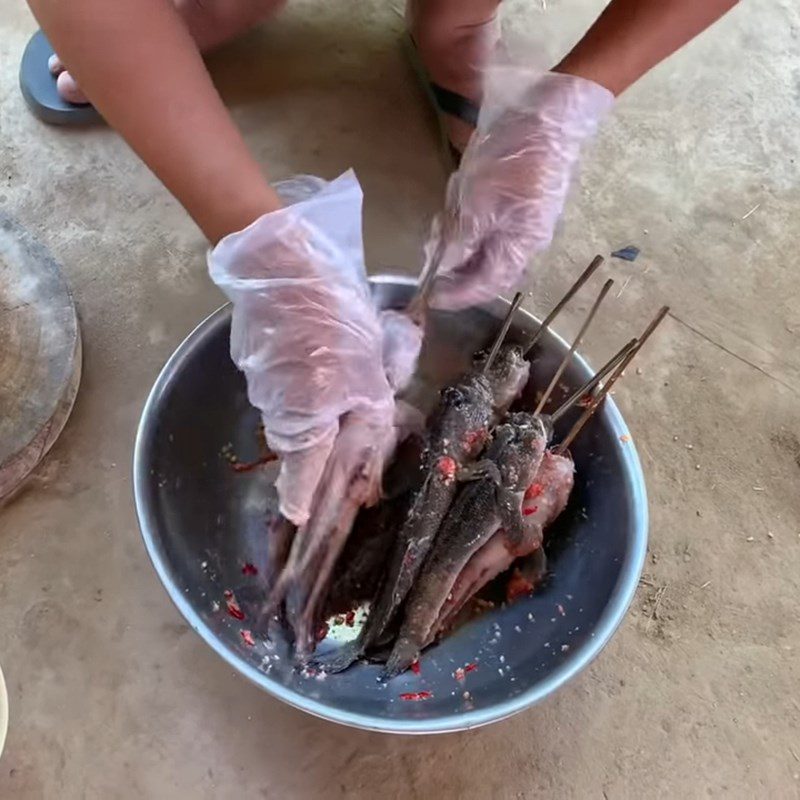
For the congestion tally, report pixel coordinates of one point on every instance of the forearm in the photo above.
(139, 66)
(631, 36)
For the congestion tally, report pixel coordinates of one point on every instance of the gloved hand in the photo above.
(503, 203)
(305, 331)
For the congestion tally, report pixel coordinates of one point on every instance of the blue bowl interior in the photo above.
(202, 521)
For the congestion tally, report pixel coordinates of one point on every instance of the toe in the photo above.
(55, 65)
(69, 89)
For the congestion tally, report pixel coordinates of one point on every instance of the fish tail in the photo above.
(404, 654)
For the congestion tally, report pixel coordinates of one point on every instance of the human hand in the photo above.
(306, 334)
(503, 203)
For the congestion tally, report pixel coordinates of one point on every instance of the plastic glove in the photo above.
(503, 203)
(305, 331)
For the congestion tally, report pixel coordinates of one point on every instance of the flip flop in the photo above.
(38, 87)
(443, 101)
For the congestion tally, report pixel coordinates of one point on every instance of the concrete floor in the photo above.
(113, 697)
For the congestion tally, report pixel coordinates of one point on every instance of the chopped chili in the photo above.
(415, 667)
(247, 466)
(249, 569)
(534, 490)
(423, 695)
(447, 467)
(248, 638)
(526, 512)
(518, 586)
(474, 437)
(232, 606)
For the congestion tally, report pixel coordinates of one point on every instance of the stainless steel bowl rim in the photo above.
(579, 659)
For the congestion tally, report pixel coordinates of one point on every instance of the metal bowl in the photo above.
(202, 522)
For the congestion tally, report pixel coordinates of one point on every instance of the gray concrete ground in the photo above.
(113, 697)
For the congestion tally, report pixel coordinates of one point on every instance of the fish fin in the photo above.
(341, 659)
(479, 469)
(508, 506)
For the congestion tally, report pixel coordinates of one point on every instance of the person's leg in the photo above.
(211, 23)
(455, 39)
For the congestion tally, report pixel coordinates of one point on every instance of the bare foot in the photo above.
(211, 23)
(455, 39)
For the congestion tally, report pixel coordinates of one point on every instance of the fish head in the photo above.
(507, 375)
(524, 451)
(460, 427)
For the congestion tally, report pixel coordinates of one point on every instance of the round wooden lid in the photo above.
(40, 353)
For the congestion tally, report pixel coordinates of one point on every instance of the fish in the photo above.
(508, 375)
(359, 568)
(491, 500)
(351, 480)
(280, 533)
(458, 432)
(545, 499)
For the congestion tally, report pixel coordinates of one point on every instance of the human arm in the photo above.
(141, 68)
(503, 203)
(304, 330)
(631, 36)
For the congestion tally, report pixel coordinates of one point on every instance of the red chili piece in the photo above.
(415, 667)
(249, 569)
(322, 631)
(232, 605)
(518, 586)
(534, 490)
(423, 695)
(247, 466)
(350, 619)
(471, 667)
(526, 512)
(474, 437)
(447, 467)
(248, 638)
(459, 674)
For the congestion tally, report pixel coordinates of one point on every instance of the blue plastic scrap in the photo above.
(629, 253)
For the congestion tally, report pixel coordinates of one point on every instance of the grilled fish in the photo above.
(492, 500)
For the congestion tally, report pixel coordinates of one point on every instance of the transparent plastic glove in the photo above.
(305, 331)
(402, 341)
(503, 203)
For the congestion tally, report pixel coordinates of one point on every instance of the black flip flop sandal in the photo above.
(443, 101)
(38, 87)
